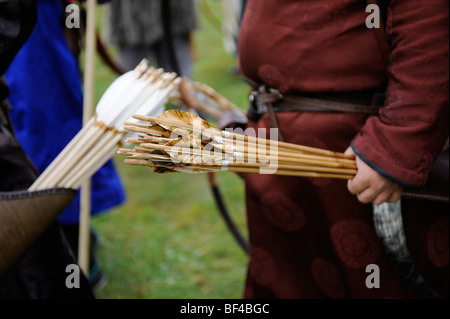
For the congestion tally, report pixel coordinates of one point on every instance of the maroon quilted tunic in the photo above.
(310, 238)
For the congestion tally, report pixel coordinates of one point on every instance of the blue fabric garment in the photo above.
(47, 99)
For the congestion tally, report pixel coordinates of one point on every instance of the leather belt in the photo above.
(267, 100)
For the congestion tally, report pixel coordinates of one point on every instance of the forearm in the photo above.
(403, 142)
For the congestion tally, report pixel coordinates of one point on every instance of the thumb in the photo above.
(349, 151)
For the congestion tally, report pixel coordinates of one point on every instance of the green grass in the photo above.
(168, 240)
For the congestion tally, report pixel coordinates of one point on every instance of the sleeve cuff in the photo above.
(381, 171)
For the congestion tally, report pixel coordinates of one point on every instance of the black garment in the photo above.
(17, 19)
(41, 271)
(96, 277)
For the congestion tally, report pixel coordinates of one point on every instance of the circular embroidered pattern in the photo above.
(262, 267)
(437, 242)
(327, 278)
(356, 243)
(282, 212)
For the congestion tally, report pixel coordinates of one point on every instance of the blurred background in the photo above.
(168, 240)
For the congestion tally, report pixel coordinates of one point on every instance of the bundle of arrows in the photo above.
(177, 141)
(143, 90)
